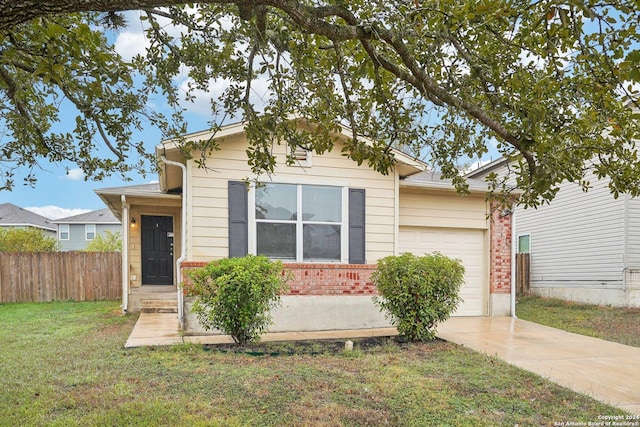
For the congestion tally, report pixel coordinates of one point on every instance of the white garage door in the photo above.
(466, 245)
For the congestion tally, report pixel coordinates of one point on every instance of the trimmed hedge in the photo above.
(418, 292)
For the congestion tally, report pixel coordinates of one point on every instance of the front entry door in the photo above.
(157, 250)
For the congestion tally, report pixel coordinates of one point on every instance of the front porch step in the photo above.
(159, 306)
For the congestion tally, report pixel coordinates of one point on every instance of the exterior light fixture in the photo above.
(133, 222)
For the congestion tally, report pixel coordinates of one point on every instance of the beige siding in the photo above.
(208, 231)
(442, 209)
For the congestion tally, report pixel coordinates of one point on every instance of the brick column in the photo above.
(500, 251)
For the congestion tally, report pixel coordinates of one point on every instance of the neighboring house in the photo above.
(12, 216)
(76, 232)
(329, 219)
(584, 246)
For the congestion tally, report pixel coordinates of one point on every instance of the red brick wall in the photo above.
(331, 279)
(321, 279)
(500, 252)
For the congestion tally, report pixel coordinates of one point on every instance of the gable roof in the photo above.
(101, 216)
(407, 164)
(15, 216)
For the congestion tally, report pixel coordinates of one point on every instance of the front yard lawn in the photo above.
(621, 325)
(63, 364)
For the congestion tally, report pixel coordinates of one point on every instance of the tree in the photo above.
(105, 242)
(27, 240)
(552, 83)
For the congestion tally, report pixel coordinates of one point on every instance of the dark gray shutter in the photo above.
(356, 226)
(238, 219)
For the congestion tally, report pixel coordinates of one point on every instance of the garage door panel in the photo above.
(466, 245)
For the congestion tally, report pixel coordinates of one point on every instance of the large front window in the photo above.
(299, 222)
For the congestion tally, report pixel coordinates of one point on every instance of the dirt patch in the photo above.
(314, 347)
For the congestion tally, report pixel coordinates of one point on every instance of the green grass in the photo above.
(621, 325)
(63, 364)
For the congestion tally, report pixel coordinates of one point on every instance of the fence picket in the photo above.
(51, 276)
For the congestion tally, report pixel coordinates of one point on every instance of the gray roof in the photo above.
(141, 189)
(101, 216)
(485, 170)
(435, 180)
(15, 216)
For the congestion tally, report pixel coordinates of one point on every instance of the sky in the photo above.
(61, 189)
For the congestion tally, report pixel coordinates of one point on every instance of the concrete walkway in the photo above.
(162, 329)
(604, 370)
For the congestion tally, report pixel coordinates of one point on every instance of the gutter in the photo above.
(625, 255)
(514, 242)
(125, 254)
(183, 235)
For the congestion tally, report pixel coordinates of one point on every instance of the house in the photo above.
(12, 216)
(76, 232)
(350, 216)
(583, 246)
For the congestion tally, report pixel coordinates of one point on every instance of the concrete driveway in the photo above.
(604, 370)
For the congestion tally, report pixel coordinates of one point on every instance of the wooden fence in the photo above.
(59, 276)
(523, 276)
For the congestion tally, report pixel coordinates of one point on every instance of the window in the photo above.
(524, 244)
(299, 222)
(90, 231)
(285, 234)
(63, 231)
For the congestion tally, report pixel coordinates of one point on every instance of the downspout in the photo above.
(183, 235)
(625, 256)
(125, 254)
(514, 242)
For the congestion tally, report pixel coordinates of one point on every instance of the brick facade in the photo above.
(331, 279)
(321, 279)
(500, 251)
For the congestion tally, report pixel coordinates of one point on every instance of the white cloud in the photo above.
(133, 40)
(131, 43)
(75, 174)
(201, 103)
(56, 212)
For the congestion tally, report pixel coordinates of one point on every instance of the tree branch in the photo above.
(12, 90)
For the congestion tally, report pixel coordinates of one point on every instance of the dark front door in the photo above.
(157, 250)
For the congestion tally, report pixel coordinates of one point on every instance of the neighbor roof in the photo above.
(485, 170)
(101, 216)
(15, 216)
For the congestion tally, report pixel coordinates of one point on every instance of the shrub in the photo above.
(27, 240)
(417, 293)
(235, 295)
(107, 242)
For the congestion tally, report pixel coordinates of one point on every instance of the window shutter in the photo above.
(356, 226)
(238, 219)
